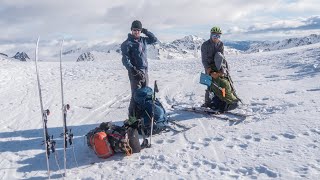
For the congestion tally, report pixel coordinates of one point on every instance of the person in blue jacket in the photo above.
(134, 58)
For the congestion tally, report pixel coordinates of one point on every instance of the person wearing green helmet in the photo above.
(216, 66)
(208, 50)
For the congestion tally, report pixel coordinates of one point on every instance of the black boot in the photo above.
(207, 100)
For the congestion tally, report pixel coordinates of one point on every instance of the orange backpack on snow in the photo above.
(100, 144)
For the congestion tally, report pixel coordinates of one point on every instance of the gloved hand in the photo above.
(132, 122)
(215, 75)
(144, 30)
(138, 74)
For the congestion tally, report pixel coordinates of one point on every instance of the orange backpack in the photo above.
(100, 144)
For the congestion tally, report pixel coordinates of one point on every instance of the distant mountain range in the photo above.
(184, 48)
(284, 44)
(188, 47)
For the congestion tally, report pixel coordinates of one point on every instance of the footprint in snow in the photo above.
(290, 92)
(221, 168)
(248, 137)
(288, 151)
(170, 141)
(253, 171)
(302, 171)
(267, 171)
(258, 104)
(213, 165)
(315, 131)
(205, 144)
(306, 134)
(273, 138)
(246, 171)
(257, 139)
(218, 139)
(317, 89)
(243, 146)
(159, 141)
(272, 76)
(312, 146)
(230, 146)
(288, 135)
(195, 147)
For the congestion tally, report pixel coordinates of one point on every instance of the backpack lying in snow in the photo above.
(108, 139)
(98, 141)
(144, 103)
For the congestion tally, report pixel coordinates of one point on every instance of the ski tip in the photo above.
(38, 39)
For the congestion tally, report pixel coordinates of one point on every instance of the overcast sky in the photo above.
(22, 21)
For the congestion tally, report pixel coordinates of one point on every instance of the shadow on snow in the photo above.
(32, 140)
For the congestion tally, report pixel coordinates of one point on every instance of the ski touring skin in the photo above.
(67, 134)
(48, 141)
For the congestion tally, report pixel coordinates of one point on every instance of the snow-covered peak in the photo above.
(191, 39)
(86, 57)
(21, 56)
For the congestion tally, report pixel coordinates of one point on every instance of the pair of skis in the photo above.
(237, 117)
(49, 143)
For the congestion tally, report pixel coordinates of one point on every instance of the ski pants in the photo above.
(135, 84)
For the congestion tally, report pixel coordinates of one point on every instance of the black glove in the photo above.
(138, 74)
(144, 31)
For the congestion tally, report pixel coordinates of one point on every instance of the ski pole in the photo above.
(155, 89)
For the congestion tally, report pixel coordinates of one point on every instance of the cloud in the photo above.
(283, 25)
(105, 20)
(88, 19)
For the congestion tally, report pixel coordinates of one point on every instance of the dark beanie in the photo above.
(136, 24)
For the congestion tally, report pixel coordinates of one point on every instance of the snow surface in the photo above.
(280, 141)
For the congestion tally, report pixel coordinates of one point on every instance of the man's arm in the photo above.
(151, 38)
(125, 56)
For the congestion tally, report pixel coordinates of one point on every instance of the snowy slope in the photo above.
(280, 141)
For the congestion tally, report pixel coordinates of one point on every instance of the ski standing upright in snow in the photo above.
(67, 134)
(48, 141)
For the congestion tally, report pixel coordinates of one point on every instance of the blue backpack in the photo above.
(143, 99)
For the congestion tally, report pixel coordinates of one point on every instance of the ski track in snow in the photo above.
(280, 140)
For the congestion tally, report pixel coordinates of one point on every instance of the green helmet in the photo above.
(216, 29)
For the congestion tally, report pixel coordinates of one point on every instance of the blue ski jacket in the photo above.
(134, 51)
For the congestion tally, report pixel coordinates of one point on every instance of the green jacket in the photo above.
(223, 83)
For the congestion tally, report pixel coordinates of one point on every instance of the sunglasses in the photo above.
(215, 36)
(136, 29)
